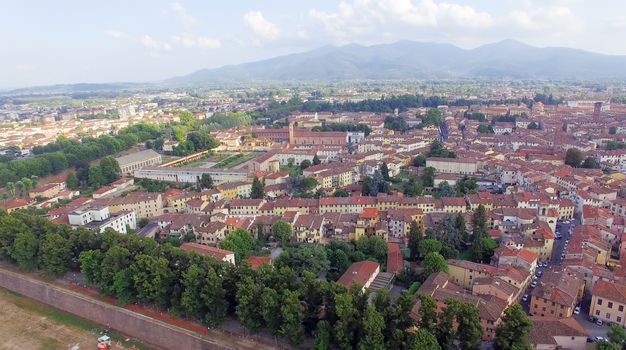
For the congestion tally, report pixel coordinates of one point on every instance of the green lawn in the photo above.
(234, 160)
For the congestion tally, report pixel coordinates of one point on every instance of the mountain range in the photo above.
(407, 60)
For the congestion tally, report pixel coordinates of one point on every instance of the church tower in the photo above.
(292, 140)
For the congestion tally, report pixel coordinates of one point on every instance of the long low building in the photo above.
(137, 160)
(190, 175)
(453, 165)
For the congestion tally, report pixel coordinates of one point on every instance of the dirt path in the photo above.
(27, 324)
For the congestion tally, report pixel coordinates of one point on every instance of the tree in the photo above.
(206, 181)
(590, 163)
(384, 170)
(191, 300)
(419, 160)
(240, 242)
(573, 157)
(512, 333)
(96, 178)
(54, 254)
(248, 304)
(316, 160)
(428, 246)
(345, 327)
(485, 129)
(257, 192)
(25, 249)
(428, 313)
(422, 340)
(292, 316)
(72, 181)
(214, 298)
(479, 232)
(415, 235)
(445, 330)
(617, 335)
(312, 258)
(434, 262)
(270, 305)
(322, 336)
(469, 331)
(90, 262)
(428, 177)
(305, 164)
(110, 169)
(372, 246)
(152, 278)
(281, 230)
(372, 326)
(115, 259)
(445, 190)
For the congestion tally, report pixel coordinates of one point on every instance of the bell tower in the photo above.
(291, 136)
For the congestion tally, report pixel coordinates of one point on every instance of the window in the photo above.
(608, 315)
(597, 312)
(620, 308)
(599, 301)
(619, 319)
(609, 305)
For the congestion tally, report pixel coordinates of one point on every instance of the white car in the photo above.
(525, 297)
(599, 339)
(577, 310)
(534, 284)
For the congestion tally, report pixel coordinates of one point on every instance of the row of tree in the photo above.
(76, 154)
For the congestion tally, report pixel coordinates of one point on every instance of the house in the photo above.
(552, 333)
(608, 302)
(440, 287)
(98, 218)
(137, 160)
(558, 292)
(215, 253)
(16, 204)
(361, 273)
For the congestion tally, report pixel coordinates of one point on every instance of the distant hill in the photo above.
(404, 60)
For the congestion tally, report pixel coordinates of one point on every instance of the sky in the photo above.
(50, 42)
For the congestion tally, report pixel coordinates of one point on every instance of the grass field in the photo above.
(28, 324)
(234, 160)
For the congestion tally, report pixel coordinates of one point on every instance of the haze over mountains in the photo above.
(403, 60)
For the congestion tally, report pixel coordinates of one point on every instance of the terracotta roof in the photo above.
(358, 273)
(395, 262)
(216, 253)
(257, 261)
(546, 328)
(612, 291)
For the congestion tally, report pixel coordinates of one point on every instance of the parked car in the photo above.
(534, 284)
(599, 339)
(525, 297)
(599, 322)
(577, 310)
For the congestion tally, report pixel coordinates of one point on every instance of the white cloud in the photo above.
(261, 26)
(156, 47)
(542, 18)
(361, 16)
(208, 43)
(203, 42)
(188, 20)
(115, 34)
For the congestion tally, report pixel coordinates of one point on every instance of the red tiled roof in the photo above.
(395, 262)
(257, 261)
(217, 253)
(358, 273)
